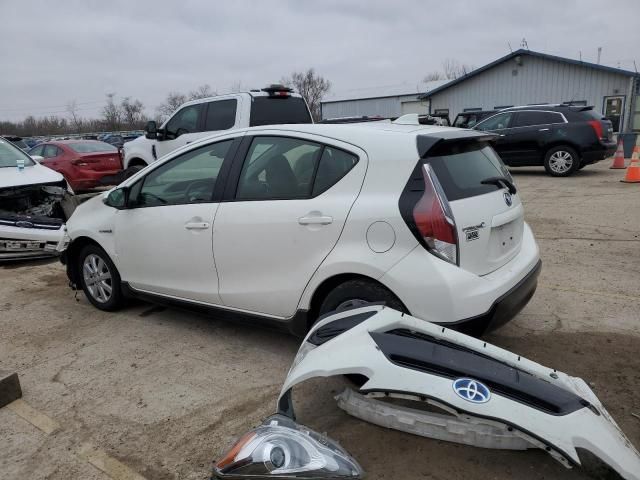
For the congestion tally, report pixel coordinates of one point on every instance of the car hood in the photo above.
(493, 398)
(31, 175)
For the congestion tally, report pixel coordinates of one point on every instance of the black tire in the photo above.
(353, 293)
(93, 287)
(561, 161)
(132, 170)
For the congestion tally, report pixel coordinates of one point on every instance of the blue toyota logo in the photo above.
(507, 199)
(471, 390)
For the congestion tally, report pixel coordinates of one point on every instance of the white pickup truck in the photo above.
(273, 105)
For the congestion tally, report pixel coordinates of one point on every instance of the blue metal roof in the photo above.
(533, 54)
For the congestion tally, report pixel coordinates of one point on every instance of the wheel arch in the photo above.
(328, 284)
(71, 258)
(136, 161)
(559, 143)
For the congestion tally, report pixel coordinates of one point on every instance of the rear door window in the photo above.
(497, 122)
(221, 115)
(460, 168)
(50, 151)
(528, 119)
(276, 111)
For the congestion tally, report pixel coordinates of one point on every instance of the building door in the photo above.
(414, 107)
(613, 110)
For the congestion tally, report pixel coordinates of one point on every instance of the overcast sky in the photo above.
(52, 52)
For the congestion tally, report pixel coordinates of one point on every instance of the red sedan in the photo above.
(83, 163)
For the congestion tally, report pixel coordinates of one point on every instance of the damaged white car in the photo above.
(33, 200)
(449, 386)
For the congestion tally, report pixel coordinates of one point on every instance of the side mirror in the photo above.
(37, 158)
(151, 130)
(117, 198)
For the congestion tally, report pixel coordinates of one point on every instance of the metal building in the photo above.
(525, 77)
(388, 101)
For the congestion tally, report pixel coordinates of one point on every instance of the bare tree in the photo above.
(171, 104)
(132, 112)
(454, 69)
(433, 76)
(76, 121)
(311, 86)
(203, 91)
(112, 113)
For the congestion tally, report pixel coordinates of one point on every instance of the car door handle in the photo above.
(315, 220)
(196, 225)
(543, 130)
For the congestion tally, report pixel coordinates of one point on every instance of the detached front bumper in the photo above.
(28, 243)
(495, 398)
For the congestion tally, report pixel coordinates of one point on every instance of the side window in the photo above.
(188, 178)
(278, 168)
(334, 164)
(221, 115)
(497, 122)
(526, 119)
(185, 121)
(37, 150)
(50, 151)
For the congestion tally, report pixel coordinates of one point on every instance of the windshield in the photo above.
(92, 147)
(10, 154)
(276, 111)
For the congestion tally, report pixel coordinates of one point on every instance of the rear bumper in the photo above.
(604, 150)
(503, 309)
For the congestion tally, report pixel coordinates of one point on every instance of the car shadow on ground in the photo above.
(540, 172)
(23, 263)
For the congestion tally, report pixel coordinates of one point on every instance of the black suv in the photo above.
(563, 138)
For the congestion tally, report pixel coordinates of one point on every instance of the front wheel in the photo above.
(561, 161)
(100, 279)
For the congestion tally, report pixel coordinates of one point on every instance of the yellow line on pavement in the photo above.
(590, 292)
(33, 416)
(107, 464)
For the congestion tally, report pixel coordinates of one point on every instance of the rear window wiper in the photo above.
(500, 182)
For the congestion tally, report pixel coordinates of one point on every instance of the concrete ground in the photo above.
(158, 393)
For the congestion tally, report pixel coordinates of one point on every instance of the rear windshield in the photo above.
(92, 147)
(10, 154)
(276, 111)
(461, 167)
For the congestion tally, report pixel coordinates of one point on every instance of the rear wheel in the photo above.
(132, 170)
(561, 161)
(355, 293)
(100, 279)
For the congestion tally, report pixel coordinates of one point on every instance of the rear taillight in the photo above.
(597, 127)
(434, 219)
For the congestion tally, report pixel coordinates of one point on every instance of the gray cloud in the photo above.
(53, 52)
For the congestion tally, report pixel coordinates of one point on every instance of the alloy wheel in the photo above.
(561, 161)
(97, 278)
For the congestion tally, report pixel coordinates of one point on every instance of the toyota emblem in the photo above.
(471, 390)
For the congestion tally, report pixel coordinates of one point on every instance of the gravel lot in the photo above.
(160, 393)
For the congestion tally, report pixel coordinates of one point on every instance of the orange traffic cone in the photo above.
(633, 171)
(618, 159)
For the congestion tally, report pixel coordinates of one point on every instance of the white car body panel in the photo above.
(31, 175)
(355, 351)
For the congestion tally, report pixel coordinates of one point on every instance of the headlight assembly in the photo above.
(282, 448)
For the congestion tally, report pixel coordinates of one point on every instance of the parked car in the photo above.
(114, 139)
(563, 138)
(17, 141)
(84, 163)
(470, 119)
(196, 119)
(282, 224)
(31, 213)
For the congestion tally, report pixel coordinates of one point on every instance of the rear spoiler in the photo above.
(426, 142)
